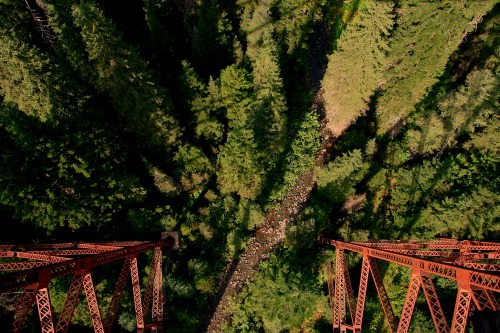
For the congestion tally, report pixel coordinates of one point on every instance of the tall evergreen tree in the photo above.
(212, 39)
(355, 68)
(458, 112)
(241, 161)
(117, 70)
(295, 22)
(427, 33)
(29, 78)
(58, 178)
(204, 102)
(270, 116)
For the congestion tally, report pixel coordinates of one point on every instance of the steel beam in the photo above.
(95, 314)
(23, 306)
(34, 280)
(22, 279)
(136, 291)
(117, 296)
(363, 286)
(45, 310)
(157, 310)
(382, 294)
(410, 301)
(70, 303)
(435, 307)
(488, 280)
(461, 312)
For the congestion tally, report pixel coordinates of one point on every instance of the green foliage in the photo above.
(30, 79)
(295, 23)
(91, 138)
(427, 33)
(282, 297)
(27, 89)
(212, 39)
(269, 120)
(68, 180)
(300, 157)
(205, 104)
(249, 215)
(194, 168)
(473, 215)
(464, 110)
(163, 182)
(336, 180)
(355, 68)
(117, 70)
(241, 162)
(414, 186)
(158, 219)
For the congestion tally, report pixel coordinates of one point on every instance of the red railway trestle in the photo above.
(28, 269)
(473, 265)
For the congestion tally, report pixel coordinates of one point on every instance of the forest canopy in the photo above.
(205, 117)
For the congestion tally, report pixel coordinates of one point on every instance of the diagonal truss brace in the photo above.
(434, 305)
(70, 303)
(410, 301)
(45, 310)
(117, 296)
(23, 306)
(382, 294)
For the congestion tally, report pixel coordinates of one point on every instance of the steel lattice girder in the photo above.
(456, 260)
(34, 281)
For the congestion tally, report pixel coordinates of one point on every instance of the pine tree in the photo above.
(204, 103)
(194, 167)
(30, 79)
(212, 38)
(461, 111)
(270, 118)
(355, 69)
(473, 215)
(427, 33)
(117, 70)
(295, 22)
(55, 178)
(337, 179)
(241, 161)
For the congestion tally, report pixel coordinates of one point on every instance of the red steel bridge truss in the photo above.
(473, 265)
(28, 269)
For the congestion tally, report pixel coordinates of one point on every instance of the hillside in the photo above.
(251, 127)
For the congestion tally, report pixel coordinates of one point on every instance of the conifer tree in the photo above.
(54, 178)
(270, 116)
(469, 107)
(337, 179)
(355, 68)
(296, 20)
(241, 161)
(426, 35)
(470, 215)
(204, 102)
(194, 167)
(98, 52)
(212, 38)
(25, 82)
(30, 79)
